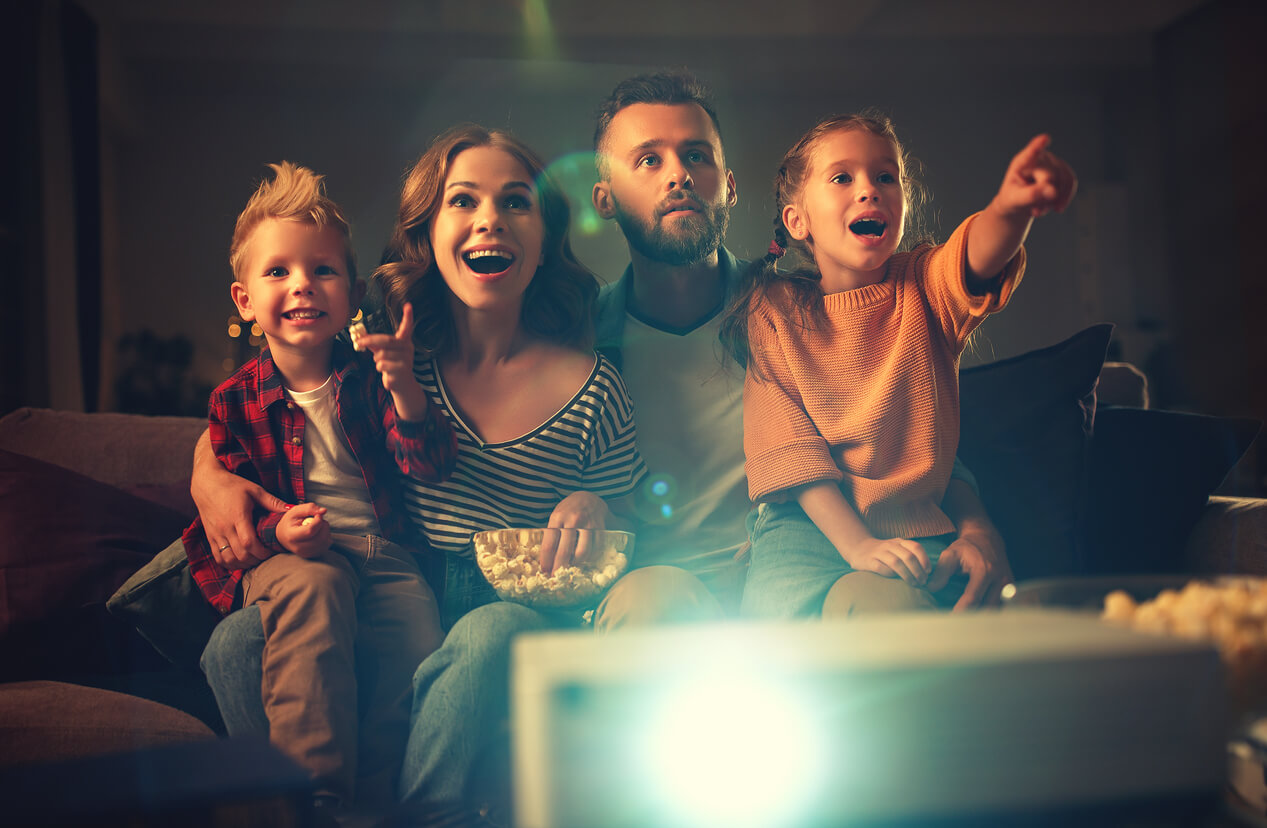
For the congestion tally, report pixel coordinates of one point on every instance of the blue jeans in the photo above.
(458, 747)
(794, 568)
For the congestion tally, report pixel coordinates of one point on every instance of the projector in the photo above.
(881, 720)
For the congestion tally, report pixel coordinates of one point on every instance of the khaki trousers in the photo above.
(362, 609)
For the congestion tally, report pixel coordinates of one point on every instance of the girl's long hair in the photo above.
(558, 305)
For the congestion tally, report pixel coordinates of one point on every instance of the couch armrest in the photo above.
(1230, 537)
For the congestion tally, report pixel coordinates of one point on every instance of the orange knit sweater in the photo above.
(870, 399)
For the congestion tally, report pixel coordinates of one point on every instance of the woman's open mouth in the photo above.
(488, 261)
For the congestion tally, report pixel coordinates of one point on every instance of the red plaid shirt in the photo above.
(258, 433)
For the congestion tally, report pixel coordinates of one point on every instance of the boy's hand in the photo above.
(304, 531)
(394, 359)
(1036, 182)
(891, 557)
(570, 542)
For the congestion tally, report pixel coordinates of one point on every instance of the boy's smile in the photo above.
(295, 284)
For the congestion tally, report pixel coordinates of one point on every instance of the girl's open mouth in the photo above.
(869, 227)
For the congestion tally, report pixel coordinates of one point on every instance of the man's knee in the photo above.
(865, 592)
(656, 595)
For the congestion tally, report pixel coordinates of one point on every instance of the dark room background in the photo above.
(136, 129)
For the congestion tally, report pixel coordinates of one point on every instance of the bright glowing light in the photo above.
(666, 510)
(235, 330)
(733, 750)
(660, 488)
(256, 330)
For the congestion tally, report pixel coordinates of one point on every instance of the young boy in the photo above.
(312, 422)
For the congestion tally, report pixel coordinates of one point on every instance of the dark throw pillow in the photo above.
(1025, 430)
(1152, 472)
(66, 544)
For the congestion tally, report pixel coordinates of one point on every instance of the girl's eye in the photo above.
(886, 178)
(841, 178)
(326, 270)
(461, 200)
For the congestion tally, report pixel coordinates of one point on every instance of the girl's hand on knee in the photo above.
(891, 557)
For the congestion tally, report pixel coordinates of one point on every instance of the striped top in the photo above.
(588, 445)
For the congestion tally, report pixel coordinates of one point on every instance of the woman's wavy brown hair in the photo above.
(558, 305)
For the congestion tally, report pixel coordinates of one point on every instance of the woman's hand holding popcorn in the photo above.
(562, 543)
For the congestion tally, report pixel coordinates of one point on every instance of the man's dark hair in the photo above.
(672, 87)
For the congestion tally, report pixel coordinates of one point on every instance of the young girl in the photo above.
(851, 401)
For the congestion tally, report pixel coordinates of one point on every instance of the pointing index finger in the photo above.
(405, 330)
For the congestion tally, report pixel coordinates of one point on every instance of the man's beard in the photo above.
(695, 240)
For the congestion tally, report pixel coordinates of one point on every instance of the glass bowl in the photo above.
(510, 561)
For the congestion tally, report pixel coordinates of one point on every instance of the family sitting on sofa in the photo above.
(480, 383)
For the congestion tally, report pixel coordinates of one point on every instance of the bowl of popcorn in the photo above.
(511, 561)
(1228, 612)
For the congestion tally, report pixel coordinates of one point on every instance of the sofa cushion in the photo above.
(1026, 427)
(1152, 473)
(47, 721)
(66, 544)
(165, 605)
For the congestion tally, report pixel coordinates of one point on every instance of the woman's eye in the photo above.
(461, 200)
(518, 202)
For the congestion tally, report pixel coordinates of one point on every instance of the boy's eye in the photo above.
(326, 270)
(276, 272)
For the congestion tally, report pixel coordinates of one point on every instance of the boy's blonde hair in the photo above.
(295, 193)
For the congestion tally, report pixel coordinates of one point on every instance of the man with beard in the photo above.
(663, 179)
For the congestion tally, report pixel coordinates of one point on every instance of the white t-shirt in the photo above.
(332, 475)
(690, 431)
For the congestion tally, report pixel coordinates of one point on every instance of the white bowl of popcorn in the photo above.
(511, 561)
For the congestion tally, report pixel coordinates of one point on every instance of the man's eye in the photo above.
(275, 272)
(695, 157)
(648, 161)
(461, 200)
